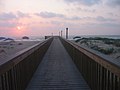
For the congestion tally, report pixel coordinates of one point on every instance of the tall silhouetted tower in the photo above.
(66, 33)
(61, 33)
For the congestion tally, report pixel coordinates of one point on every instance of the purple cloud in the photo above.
(49, 15)
(100, 18)
(22, 15)
(54, 15)
(113, 3)
(84, 2)
(7, 16)
(73, 18)
(7, 24)
(86, 10)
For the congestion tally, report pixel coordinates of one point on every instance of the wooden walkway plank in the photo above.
(57, 71)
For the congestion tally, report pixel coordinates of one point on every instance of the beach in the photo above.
(12, 47)
(106, 46)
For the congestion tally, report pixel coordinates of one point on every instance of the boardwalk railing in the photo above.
(100, 73)
(18, 70)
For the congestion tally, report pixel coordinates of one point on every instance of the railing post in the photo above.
(99, 72)
(17, 72)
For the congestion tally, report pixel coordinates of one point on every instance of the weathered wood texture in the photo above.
(57, 71)
(18, 70)
(100, 72)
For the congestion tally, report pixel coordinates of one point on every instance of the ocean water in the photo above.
(31, 38)
(41, 38)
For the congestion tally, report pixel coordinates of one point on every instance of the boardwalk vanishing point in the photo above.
(57, 71)
(59, 64)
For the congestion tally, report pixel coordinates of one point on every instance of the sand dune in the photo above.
(109, 48)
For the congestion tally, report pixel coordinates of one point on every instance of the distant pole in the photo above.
(61, 33)
(66, 33)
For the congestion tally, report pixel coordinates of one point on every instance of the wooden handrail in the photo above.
(18, 57)
(105, 61)
(100, 71)
(17, 70)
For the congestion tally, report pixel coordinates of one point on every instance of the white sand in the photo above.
(115, 55)
(14, 47)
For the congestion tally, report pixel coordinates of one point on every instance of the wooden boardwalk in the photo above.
(57, 71)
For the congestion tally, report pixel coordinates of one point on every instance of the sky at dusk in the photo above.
(43, 17)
